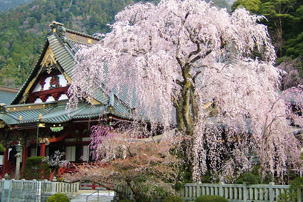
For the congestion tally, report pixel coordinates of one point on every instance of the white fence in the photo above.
(32, 190)
(237, 192)
(232, 192)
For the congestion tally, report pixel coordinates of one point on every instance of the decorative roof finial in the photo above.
(57, 27)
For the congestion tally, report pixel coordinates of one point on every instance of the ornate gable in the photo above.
(47, 82)
(50, 85)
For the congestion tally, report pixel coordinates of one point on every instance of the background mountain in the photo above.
(5, 5)
(23, 30)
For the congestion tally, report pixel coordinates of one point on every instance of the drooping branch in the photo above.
(200, 56)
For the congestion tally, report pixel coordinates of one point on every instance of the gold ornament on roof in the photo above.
(48, 59)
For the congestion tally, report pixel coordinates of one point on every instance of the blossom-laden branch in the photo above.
(57, 160)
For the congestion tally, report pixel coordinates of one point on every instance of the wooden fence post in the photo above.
(299, 194)
(245, 192)
(198, 188)
(271, 191)
(221, 193)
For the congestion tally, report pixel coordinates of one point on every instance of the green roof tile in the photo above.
(6, 97)
(64, 51)
(8, 119)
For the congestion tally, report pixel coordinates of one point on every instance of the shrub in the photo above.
(210, 177)
(210, 198)
(248, 178)
(35, 168)
(2, 148)
(60, 179)
(286, 197)
(297, 183)
(291, 194)
(178, 186)
(58, 197)
(172, 198)
(125, 200)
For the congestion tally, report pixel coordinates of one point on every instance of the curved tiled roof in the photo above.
(64, 49)
(55, 113)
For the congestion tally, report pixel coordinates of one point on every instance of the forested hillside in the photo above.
(5, 5)
(23, 30)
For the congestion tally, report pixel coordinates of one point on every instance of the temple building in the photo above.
(37, 116)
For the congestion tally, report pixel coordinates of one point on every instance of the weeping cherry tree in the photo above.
(199, 69)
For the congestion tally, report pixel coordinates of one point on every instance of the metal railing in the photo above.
(93, 194)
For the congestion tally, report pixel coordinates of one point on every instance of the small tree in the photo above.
(36, 168)
(147, 168)
(56, 161)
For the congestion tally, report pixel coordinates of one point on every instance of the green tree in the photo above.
(251, 5)
(277, 12)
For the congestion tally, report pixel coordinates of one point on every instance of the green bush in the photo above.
(178, 186)
(297, 183)
(286, 197)
(60, 179)
(35, 168)
(2, 148)
(125, 200)
(172, 198)
(210, 177)
(248, 178)
(210, 198)
(58, 197)
(291, 194)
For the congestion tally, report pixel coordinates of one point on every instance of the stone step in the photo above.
(104, 196)
(92, 199)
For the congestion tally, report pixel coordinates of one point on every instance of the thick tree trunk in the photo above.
(137, 193)
(187, 115)
(186, 106)
(280, 38)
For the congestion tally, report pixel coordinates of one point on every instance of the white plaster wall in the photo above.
(62, 80)
(37, 88)
(50, 98)
(47, 83)
(63, 97)
(38, 100)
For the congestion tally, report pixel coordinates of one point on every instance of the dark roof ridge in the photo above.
(57, 27)
(82, 34)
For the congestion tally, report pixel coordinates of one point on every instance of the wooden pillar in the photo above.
(5, 161)
(42, 149)
(42, 153)
(24, 156)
